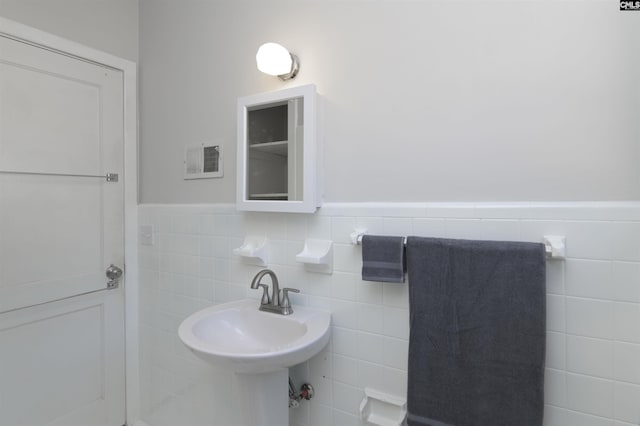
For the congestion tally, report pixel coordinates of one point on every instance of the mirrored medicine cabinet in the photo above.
(278, 151)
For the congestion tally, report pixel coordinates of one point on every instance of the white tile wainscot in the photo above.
(593, 344)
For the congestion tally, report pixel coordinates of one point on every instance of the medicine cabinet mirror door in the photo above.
(277, 153)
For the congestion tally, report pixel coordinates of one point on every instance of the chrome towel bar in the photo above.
(555, 245)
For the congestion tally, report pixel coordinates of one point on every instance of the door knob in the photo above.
(113, 273)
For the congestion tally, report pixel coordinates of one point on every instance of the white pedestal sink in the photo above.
(259, 347)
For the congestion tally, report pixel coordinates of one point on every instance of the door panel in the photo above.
(58, 115)
(61, 330)
(30, 96)
(54, 357)
(52, 244)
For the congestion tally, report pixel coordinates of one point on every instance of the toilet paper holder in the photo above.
(382, 409)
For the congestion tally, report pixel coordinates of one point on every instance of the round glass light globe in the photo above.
(273, 59)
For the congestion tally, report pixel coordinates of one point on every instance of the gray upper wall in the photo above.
(423, 100)
(107, 25)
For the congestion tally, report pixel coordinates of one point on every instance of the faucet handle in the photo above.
(265, 294)
(285, 303)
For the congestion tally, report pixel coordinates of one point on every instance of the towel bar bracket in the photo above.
(555, 246)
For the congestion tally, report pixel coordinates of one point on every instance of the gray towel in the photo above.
(477, 333)
(383, 258)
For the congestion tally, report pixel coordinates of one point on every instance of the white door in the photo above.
(61, 227)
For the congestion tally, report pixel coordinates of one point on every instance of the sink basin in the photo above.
(238, 336)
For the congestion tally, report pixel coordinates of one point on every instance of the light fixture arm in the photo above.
(295, 67)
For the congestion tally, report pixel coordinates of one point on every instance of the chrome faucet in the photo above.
(275, 303)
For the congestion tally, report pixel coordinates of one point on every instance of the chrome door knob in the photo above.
(113, 273)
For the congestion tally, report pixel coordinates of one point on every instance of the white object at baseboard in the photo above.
(317, 255)
(379, 408)
(255, 250)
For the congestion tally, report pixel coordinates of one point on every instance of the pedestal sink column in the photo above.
(238, 336)
(264, 398)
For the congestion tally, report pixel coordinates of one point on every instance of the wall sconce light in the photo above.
(274, 59)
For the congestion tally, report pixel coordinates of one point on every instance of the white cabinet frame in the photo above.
(310, 158)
